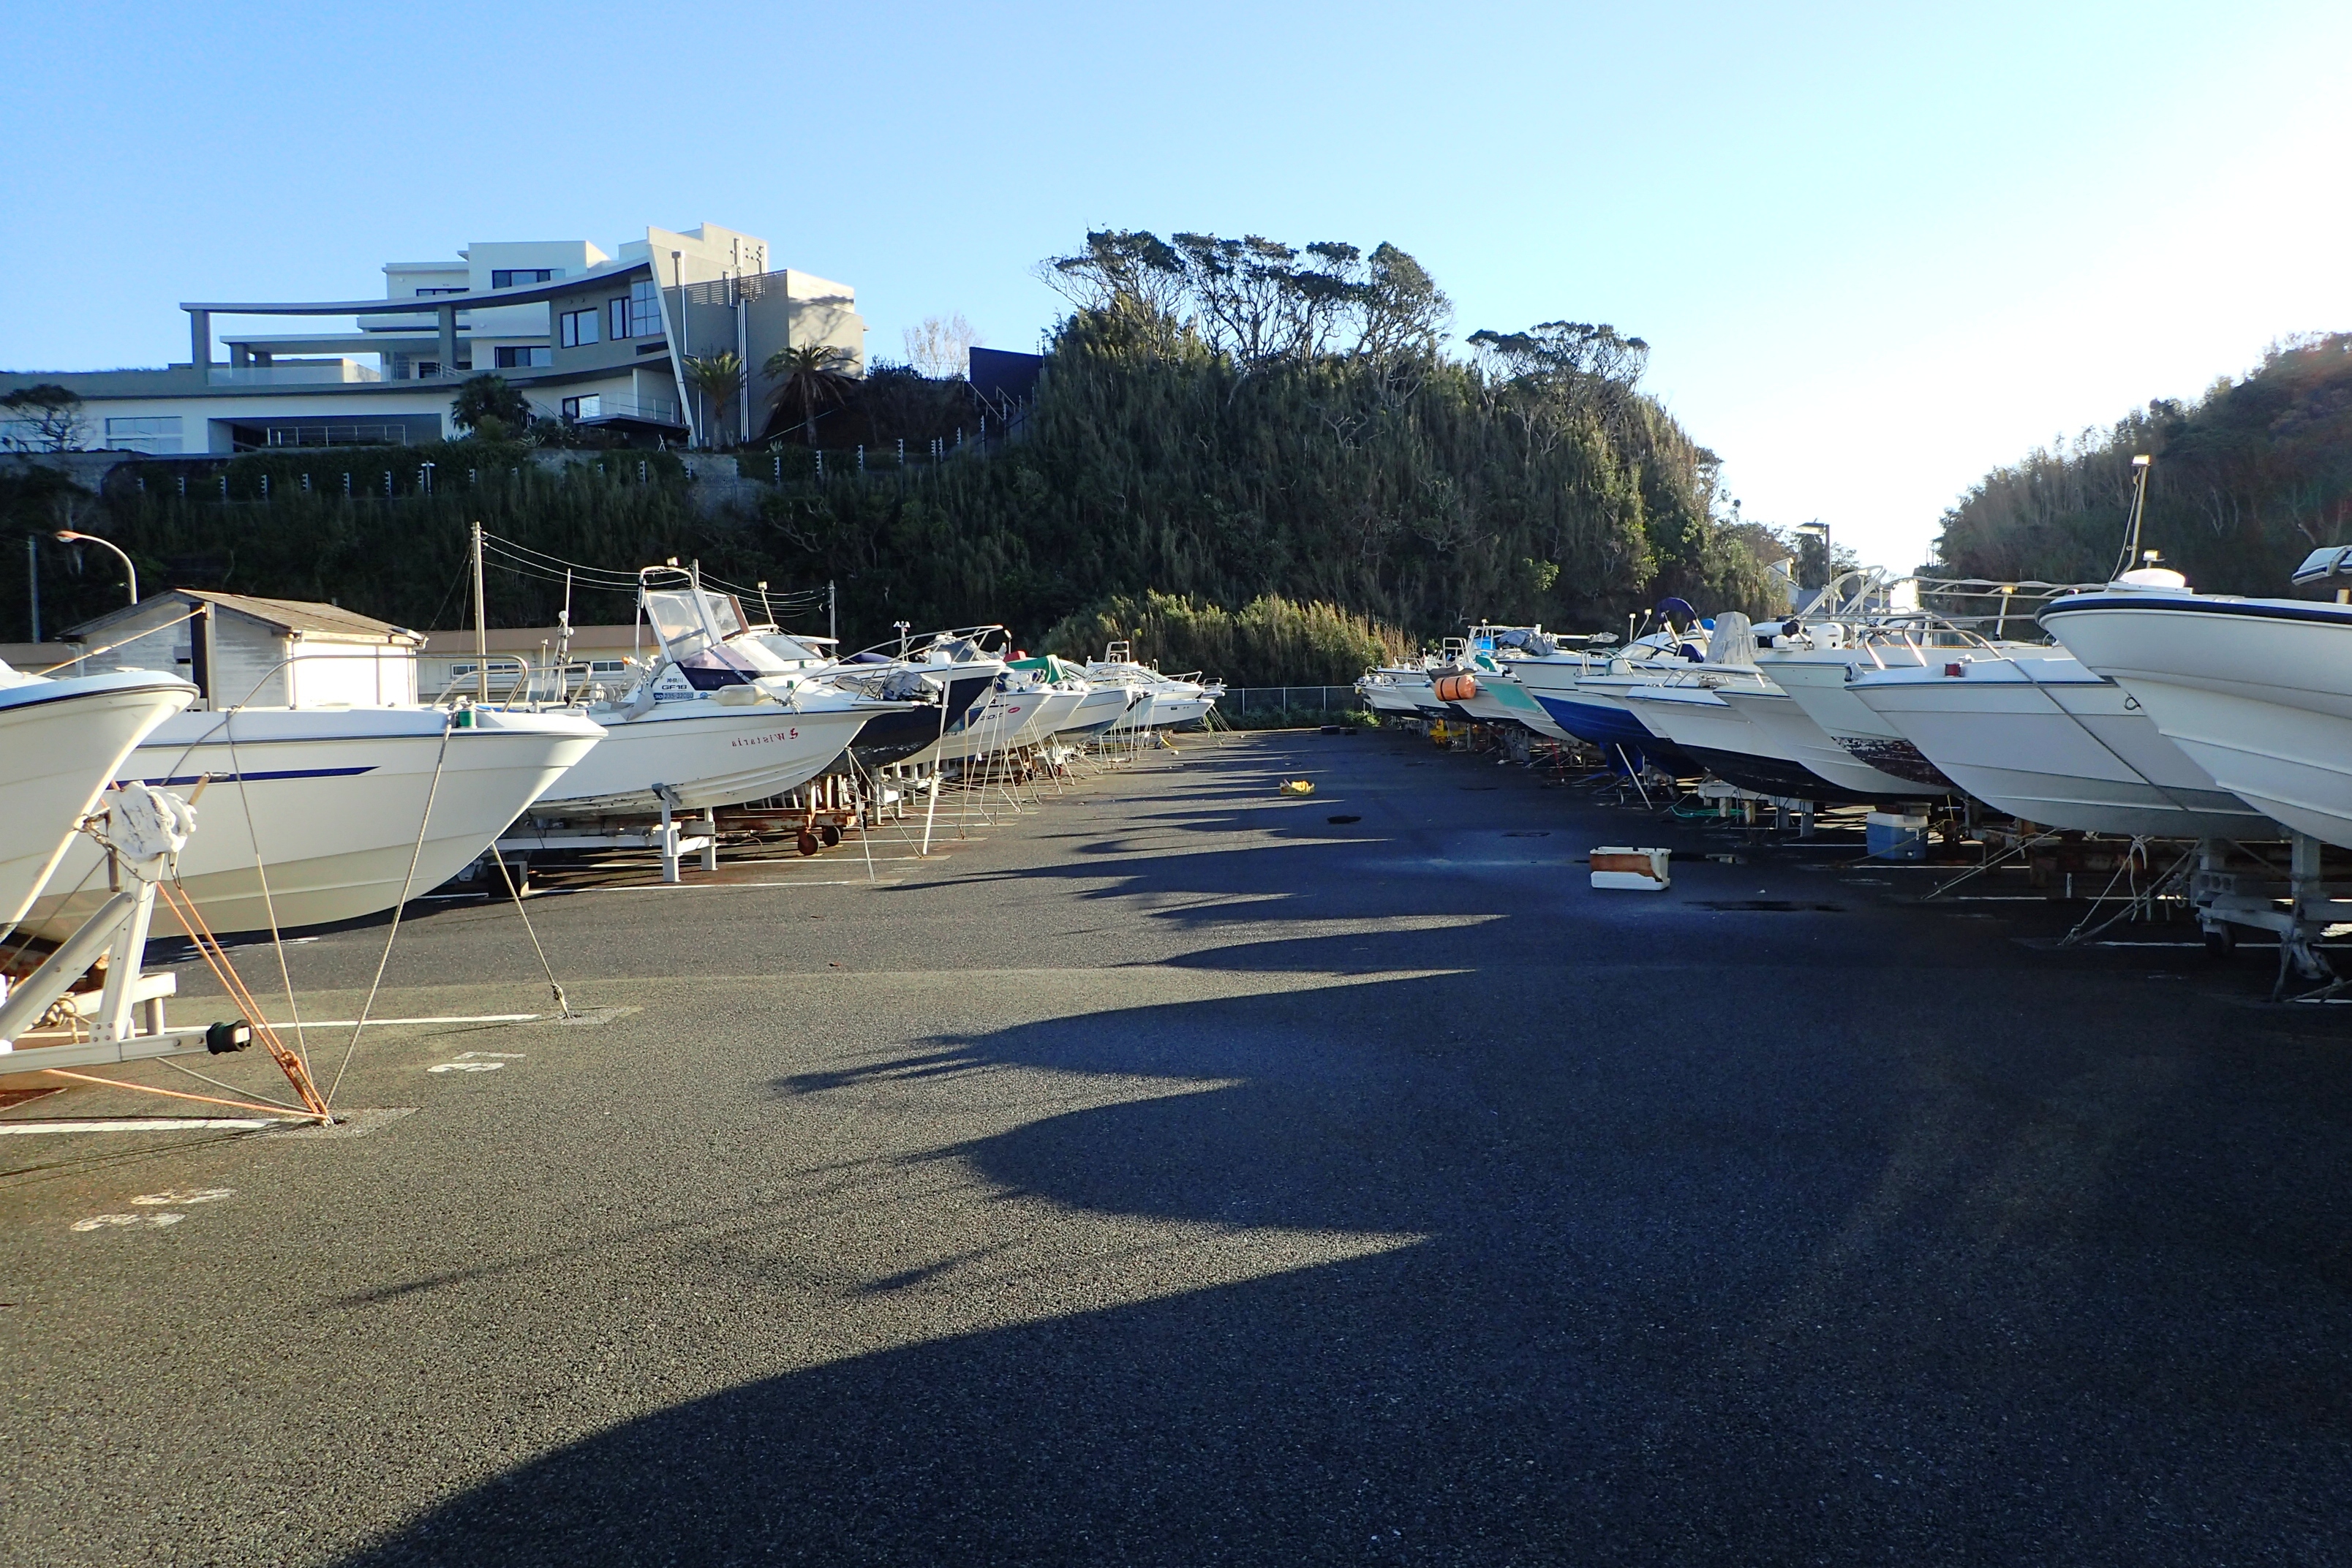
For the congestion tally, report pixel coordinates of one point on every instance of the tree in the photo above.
(720, 378)
(1131, 274)
(489, 398)
(941, 346)
(44, 417)
(813, 377)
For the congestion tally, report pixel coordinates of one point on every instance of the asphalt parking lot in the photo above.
(1180, 1175)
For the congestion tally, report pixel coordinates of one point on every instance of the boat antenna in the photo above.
(2141, 464)
(564, 643)
(481, 630)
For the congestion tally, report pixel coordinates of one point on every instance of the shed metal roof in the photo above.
(286, 614)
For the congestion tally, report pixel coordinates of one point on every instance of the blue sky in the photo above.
(1876, 249)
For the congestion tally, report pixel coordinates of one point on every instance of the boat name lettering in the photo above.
(791, 734)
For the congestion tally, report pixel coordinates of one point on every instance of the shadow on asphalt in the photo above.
(1913, 1248)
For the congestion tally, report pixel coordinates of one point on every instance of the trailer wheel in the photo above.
(809, 844)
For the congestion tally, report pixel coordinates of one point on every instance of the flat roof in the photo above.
(531, 294)
(286, 614)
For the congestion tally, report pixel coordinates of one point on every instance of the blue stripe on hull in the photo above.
(1620, 736)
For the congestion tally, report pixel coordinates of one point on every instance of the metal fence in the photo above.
(1302, 702)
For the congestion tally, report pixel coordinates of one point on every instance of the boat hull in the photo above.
(1822, 688)
(1104, 706)
(329, 803)
(60, 743)
(1838, 773)
(2074, 754)
(2256, 692)
(702, 755)
(1610, 727)
(1502, 700)
(1705, 727)
(890, 740)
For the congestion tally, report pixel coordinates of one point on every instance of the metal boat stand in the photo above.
(668, 840)
(2226, 898)
(142, 830)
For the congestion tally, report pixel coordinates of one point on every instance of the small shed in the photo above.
(242, 651)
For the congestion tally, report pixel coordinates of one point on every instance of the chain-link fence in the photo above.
(1247, 706)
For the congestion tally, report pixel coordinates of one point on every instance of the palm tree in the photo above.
(812, 375)
(719, 377)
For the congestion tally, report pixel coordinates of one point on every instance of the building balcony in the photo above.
(606, 409)
(305, 373)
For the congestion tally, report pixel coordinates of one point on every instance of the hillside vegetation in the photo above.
(1270, 641)
(2246, 481)
(1222, 426)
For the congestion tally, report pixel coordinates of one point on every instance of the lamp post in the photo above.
(68, 536)
(680, 346)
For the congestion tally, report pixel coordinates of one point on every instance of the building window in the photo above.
(579, 329)
(616, 319)
(644, 310)
(142, 433)
(524, 357)
(589, 407)
(461, 289)
(523, 277)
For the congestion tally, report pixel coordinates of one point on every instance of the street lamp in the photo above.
(68, 536)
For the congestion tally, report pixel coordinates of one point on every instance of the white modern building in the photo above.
(598, 339)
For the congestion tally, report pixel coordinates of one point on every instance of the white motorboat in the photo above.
(60, 743)
(950, 675)
(1104, 704)
(2256, 692)
(699, 754)
(1058, 690)
(1490, 693)
(1388, 691)
(1403, 690)
(1171, 700)
(1693, 709)
(1820, 680)
(326, 803)
(719, 719)
(1583, 691)
(1776, 714)
(2042, 737)
(1484, 688)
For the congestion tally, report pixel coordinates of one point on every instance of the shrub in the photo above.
(1271, 641)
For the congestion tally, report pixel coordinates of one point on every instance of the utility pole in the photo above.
(832, 612)
(33, 576)
(481, 627)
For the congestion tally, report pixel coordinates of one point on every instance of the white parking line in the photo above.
(453, 1018)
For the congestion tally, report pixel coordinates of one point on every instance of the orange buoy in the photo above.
(1454, 687)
